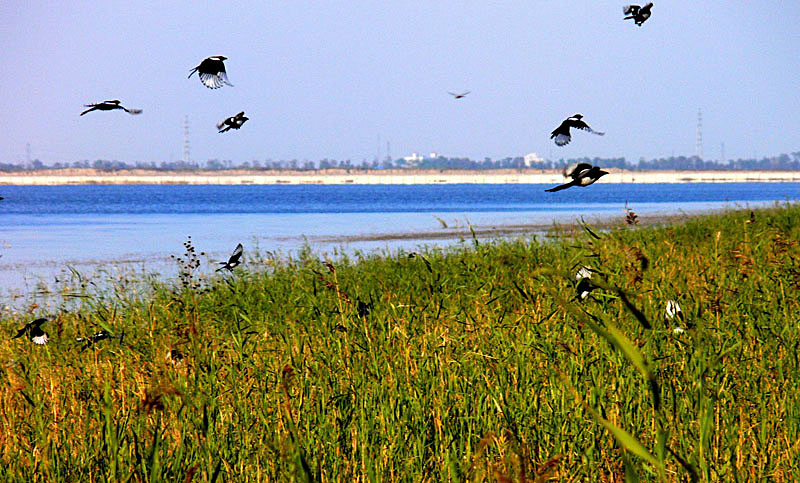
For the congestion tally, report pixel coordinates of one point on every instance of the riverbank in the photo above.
(371, 177)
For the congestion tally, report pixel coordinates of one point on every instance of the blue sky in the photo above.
(328, 79)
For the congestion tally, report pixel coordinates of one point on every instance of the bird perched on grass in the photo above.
(583, 286)
(458, 96)
(582, 174)
(109, 106)
(234, 122)
(36, 334)
(637, 13)
(212, 72)
(561, 133)
(234, 260)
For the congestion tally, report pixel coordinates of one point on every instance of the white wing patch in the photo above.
(40, 339)
(563, 139)
(212, 81)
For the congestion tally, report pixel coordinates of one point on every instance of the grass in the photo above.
(473, 364)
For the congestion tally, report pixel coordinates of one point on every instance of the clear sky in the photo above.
(328, 79)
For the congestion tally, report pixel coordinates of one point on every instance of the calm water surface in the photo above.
(45, 229)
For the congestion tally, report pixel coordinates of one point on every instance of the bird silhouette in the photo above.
(582, 174)
(458, 96)
(36, 334)
(561, 133)
(212, 72)
(234, 260)
(109, 106)
(234, 122)
(637, 13)
(97, 337)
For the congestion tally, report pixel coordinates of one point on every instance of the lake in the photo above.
(91, 228)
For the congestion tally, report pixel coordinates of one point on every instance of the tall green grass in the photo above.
(473, 364)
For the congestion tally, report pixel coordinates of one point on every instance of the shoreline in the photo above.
(373, 177)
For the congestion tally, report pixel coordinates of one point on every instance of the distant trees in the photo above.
(790, 161)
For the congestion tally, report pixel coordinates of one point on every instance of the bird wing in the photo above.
(22, 331)
(224, 76)
(91, 107)
(132, 111)
(577, 170)
(579, 124)
(630, 9)
(237, 254)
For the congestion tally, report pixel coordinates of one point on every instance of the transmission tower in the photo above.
(699, 146)
(186, 155)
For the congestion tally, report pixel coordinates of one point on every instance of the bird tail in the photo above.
(133, 111)
(88, 110)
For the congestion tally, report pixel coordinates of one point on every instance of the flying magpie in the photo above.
(458, 96)
(234, 260)
(583, 174)
(234, 122)
(109, 106)
(36, 334)
(212, 72)
(561, 133)
(637, 13)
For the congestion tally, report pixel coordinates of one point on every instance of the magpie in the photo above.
(458, 96)
(212, 72)
(673, 311)
(584, 285)
(102, 335)
(109, 106)
(234, 122)
(637, 13)
(583, 174)
(364, 309)
(36, 334)
(561, 133)
(234, 260)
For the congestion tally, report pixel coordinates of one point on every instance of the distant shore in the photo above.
(394, 176)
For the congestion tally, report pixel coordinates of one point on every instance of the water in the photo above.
(45, 229)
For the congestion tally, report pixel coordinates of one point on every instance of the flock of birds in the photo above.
(213, 75)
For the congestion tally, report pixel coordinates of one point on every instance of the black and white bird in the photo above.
(458, 96)
(637, 13)
(583, 283)
(109, 106)
(561, 133)
(97, 337)
(582, 174)
(234, 122)
(234, 260)
(36, 334)
(212, 72)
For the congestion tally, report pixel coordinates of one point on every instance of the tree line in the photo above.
(789, 162)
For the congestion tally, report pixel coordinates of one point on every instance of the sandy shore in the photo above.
(338, 176)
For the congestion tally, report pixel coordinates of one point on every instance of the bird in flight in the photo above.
(561, 133)
(234, 260)
(36, 334)
(637, 13)
(234, 122)
(583, 174)
(212, 72)
(457, 95)
(109, 106)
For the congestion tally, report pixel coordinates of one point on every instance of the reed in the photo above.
(475, 363)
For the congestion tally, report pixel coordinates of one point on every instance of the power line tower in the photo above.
(186, 153)
(699, 147)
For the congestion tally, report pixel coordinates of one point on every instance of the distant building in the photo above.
(532, 159)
